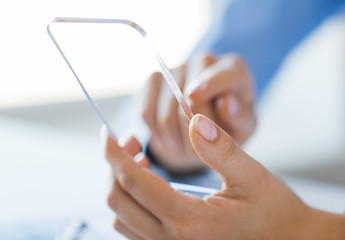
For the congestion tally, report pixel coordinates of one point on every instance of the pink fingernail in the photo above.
(124, 139)
(205, 128)
(192, 87)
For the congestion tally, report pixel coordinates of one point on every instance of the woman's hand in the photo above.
(253, 203)
(218, 88)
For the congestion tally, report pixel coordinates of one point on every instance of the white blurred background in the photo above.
(33, 73)
(51, 163)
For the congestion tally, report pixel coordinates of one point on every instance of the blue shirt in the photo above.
(264, 31)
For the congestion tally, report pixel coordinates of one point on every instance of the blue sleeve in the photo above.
(263, 32)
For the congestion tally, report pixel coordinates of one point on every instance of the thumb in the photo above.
(218, 150)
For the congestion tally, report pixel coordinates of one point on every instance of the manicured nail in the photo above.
(234, 106)
(205, 128)
(142, 160)
(195, 86)
(140, 156)
(124, 139)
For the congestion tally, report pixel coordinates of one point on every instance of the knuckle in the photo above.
(155, 78)
(147, 115)
(118, 226)
(128, 180)
(181, 230)
(230, 149)
(186, 231)
(111, 201)
(209, 59)
(191, 224)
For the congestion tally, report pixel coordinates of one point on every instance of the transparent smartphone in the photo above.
(110, 57)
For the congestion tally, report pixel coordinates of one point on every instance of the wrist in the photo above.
(321, 225)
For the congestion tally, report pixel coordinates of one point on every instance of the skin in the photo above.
(253, 203)
(220, 88)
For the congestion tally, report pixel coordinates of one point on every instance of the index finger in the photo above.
(228, 75)
(147, 188)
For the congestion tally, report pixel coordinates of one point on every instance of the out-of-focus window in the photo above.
(32, 72)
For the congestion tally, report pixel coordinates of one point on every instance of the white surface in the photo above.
(49, 172)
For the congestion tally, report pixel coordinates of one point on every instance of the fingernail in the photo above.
(205, 128)
(125, 138)
(194, 86)
(234, 106)
(142, 160)
(140, 156)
